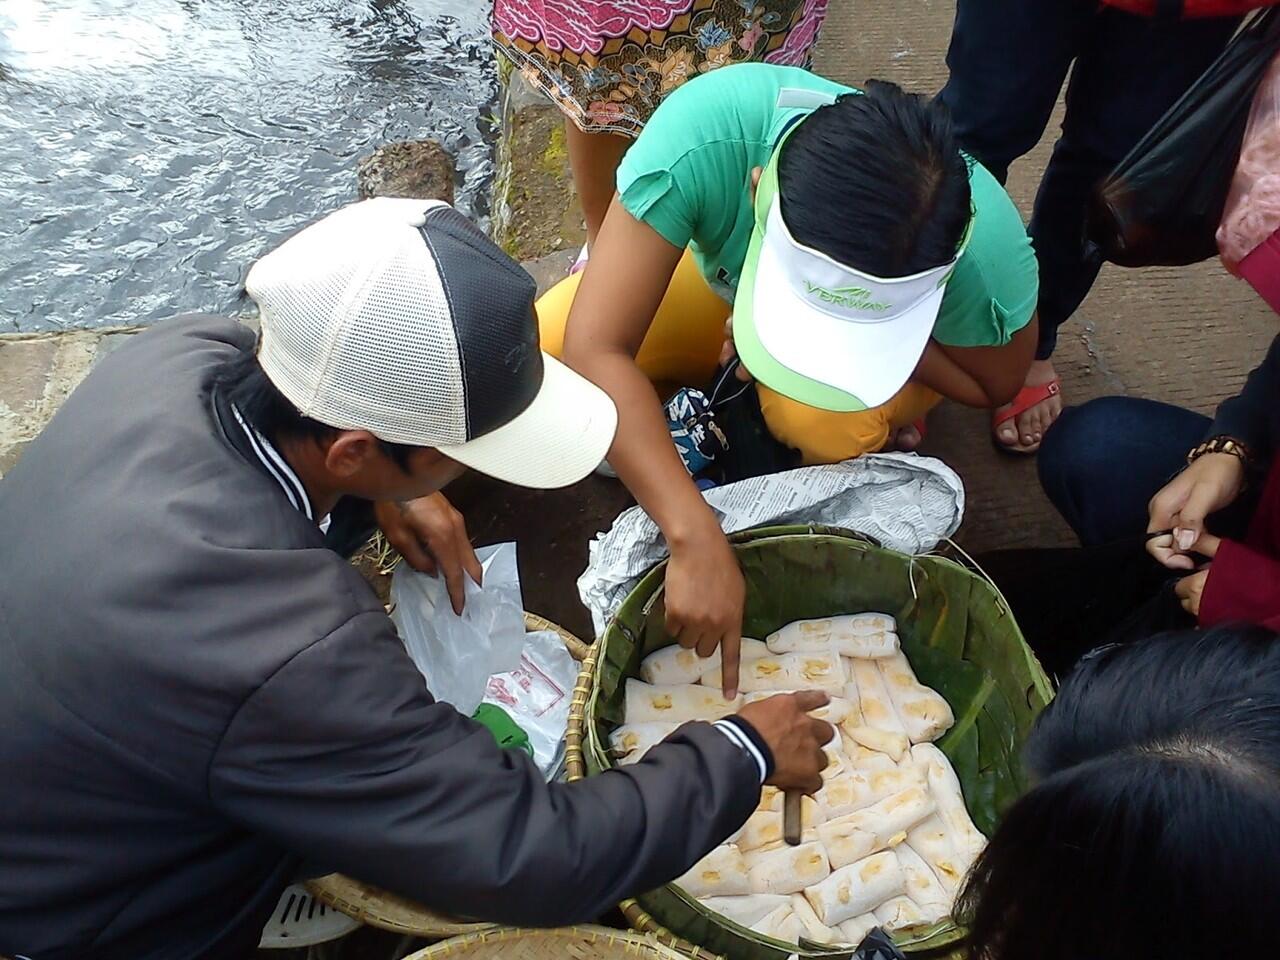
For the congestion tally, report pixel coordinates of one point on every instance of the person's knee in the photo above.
(1078, 451)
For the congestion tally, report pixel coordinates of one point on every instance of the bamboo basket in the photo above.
(957, 632)
(387, 911)
(574, 943)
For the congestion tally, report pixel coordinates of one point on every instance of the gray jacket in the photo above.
(196, 695)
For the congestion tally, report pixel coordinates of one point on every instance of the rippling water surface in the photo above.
(151, 149)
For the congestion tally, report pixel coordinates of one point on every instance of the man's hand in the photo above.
(1207, 485)
(795, 738)
(432, 537)
(1190, 589)
(704, 597)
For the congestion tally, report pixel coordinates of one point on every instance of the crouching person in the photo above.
(198, 695)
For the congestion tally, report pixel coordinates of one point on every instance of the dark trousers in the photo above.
(1100, 466)
(1009, 59)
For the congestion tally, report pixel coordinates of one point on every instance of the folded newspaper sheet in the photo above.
(907, 502)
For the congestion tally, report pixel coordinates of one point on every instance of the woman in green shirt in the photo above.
(870, 268)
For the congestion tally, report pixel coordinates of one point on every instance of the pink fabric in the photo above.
(582, 25)
(800, 41)
(1261, 269)
(1252, 211)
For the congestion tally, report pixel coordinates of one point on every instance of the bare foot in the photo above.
(904, 439)
(1025, 431)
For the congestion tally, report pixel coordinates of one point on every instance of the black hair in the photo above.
(876, 181)
(267, 410)
(1154, 828)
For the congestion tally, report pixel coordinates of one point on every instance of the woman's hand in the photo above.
(728, 353)
(705, 593)
(432, 537)
(1207, 485)
(1190, 589)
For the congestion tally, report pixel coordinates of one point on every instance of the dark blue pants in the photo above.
(1009, 59)
(1100, 466)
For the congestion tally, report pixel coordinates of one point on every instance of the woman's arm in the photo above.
(624, 283)
(983, 377)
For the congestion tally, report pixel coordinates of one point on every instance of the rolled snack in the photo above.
(854, 930)
(857, 889)
(838, 635)
(873, 695)
(857, 789)
(814, 928)
(923, 887)
(924, 712)
(646, 703)
(746, 910)
(792, 671)
(892, 745)
(898, 913)
(861, 758)
(864, 623)
(835, 712)
(811, 812)
(788, 869)
(968, 840)
(890, 819)
(636, 738)
(836, 762)
(781, 924)
(846, 842)
(675, 664)
(932, 843)
(721, 873)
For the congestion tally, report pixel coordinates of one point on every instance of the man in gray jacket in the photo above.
(198, 694)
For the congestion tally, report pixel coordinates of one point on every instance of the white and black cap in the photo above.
(402, 318)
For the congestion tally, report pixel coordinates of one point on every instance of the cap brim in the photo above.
(557, 440)
(813, 357)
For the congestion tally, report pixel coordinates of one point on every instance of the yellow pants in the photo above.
(683, 346)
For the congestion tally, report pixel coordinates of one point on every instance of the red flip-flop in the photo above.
(1027, 398)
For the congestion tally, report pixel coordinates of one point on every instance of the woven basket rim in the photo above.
(628, 943)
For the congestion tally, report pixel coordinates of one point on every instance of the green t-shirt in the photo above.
(688, 176)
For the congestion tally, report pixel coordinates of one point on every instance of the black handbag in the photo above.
(1163, 202)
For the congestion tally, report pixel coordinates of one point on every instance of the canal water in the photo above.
(151, 149)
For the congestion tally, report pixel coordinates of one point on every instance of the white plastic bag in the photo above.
(457, 655)
(536, 695)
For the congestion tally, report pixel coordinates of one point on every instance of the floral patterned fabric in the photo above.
(609, 63)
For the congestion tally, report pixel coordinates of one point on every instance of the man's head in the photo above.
(399, 345)
(860, 216)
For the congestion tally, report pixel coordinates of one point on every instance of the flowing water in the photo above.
(151, 149)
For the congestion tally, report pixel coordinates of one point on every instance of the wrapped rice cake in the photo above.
(721, 873)
(889, 819)
(874, 701)
(857, 889)
(898, 913)
(746, 910)
(792, 671)
(923, 712)
(847, 636)
(932, 844)
(781, 924)
(763, 829)
(676, 665)
(646, 703)
(814, 928)
(788, 869)
(945, 787)
(632, 740)
(923, 887)
(855, 930)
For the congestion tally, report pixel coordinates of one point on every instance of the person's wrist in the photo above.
(745, 735)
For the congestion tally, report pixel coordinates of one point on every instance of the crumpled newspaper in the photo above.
(907, 502)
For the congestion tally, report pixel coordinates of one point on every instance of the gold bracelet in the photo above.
(1222, 444)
